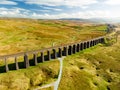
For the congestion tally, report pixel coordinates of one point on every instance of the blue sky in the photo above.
(54, 9)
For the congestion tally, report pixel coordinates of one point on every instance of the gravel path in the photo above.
(56, 83)
(60, 74)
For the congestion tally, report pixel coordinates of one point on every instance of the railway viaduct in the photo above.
(48, 54)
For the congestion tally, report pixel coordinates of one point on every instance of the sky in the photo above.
(56, 9)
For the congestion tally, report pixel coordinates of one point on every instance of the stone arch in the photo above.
(60, 51)
(88, 44)
(96, 42)
(78, 47)
(65, 51)
(102, 40)
(54, 53)
(74, 48)
(49, 54)
(81, 46)
(85, 45)
(70, 50)
(99, 40)
(91, 43)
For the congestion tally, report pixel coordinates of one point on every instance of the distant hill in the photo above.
(90, 20)
(95, 20)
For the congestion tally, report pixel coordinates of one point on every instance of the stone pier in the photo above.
(42, 57)
(74, 49)
(70, 50)
(81, 46)
(60, 52)
(26, 61)
(91, 43)
(78, 47)
(88, 44)
(54, 54)
(35, 58)
(16, 64)
(65, 51)
(85, 45)
(6, 65)
(49, 55)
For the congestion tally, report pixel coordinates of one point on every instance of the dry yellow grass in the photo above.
(17, 35)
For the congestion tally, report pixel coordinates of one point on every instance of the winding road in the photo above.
(56, 83)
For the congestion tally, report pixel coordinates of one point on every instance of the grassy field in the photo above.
(96, 68)
(31, 78)
(18, 35)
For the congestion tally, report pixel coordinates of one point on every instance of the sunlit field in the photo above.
(96, 68)
(89, 69)
(19, 35)
(59, 44)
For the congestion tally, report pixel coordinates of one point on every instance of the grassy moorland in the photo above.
(96, 68)
(18, 35)
(31, 78)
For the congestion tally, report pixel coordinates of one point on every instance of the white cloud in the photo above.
(40, 10)
(19, 12)
(69, 3)
(86, 14)
(50, 8)
(14, 12)
(112, 2)
(6, 2)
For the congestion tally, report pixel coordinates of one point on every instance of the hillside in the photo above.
(18, 35)
(96, 68)
(95, 20)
